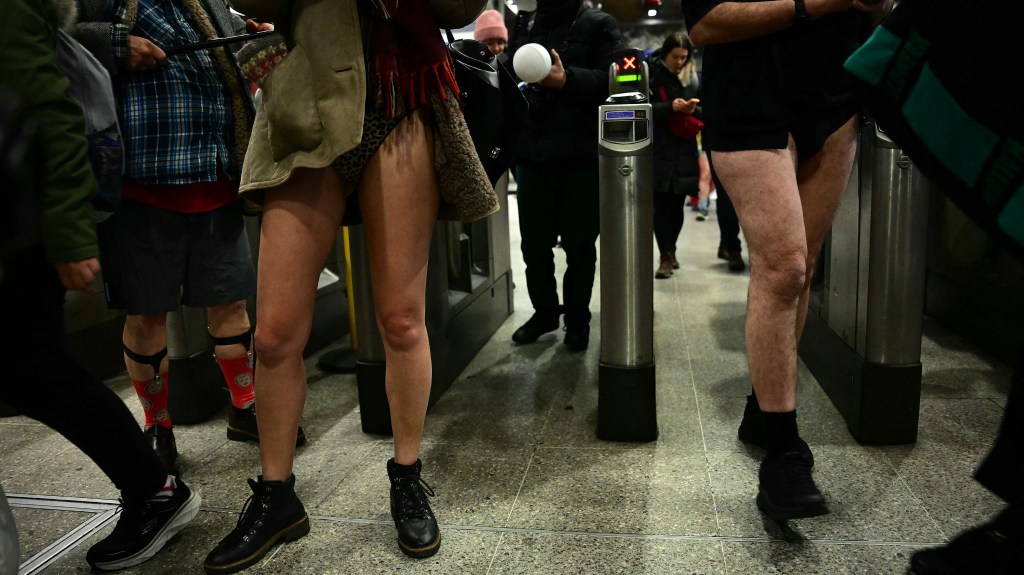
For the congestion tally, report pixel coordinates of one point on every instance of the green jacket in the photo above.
(28, 67)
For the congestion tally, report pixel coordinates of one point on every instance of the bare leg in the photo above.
(228, 320)
(399, 200)
(145, 335)
(301, 218)
(822, 179)
(783, 242)
(778, 251)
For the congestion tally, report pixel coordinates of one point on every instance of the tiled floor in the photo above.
(524, 486)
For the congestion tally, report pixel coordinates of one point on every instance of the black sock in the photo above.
(780, 431)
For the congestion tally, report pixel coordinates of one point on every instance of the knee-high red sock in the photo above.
(153, 395)
(238, 375)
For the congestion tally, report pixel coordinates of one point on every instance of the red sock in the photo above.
(153, 395)
(238, 374)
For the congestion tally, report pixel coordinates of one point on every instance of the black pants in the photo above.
(559, 203)
(728, 221)
(41, 379)
(997, 472)
(669, 216)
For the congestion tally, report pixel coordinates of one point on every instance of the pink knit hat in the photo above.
(490, 24)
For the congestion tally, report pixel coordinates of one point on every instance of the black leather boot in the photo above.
(418, 535)
(273, 513)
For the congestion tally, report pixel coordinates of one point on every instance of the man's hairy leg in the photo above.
(762, 186)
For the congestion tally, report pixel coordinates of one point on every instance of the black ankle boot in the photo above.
(418, 535)
(273, 513)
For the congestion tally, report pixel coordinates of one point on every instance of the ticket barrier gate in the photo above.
(862, 339)
(627, 409)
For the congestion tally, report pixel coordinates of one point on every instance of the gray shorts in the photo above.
(154, 259)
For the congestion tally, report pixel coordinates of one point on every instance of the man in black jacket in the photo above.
(556, 169)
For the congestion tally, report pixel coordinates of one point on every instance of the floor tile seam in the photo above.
(697, 404)
(25, 469)
(625, 446)
(522, 482)
(888, 461)
(613, 535)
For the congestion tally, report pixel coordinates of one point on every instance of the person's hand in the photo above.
(877, 9)
(80, 275)
(254, 26)
(556, 77)
(144, 55)
(685, 106)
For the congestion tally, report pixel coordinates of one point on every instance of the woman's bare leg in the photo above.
(399, 201)
(301, 220)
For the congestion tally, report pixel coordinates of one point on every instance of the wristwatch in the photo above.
(801, 16)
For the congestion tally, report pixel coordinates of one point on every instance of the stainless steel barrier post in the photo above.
(862, 340)
(626, 381)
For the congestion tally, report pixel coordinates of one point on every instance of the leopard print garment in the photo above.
(376, 129)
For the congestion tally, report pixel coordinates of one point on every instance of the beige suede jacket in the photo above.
(312, 104)
(311, 108)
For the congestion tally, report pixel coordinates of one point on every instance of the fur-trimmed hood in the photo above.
(67, 11)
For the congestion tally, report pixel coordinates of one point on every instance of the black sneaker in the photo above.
(162, 440)
(272, 513)
(418, 535)
(577, 336)
(242, 426)
(787, 490)
(993, 548)
(536, 326)
(144, 528)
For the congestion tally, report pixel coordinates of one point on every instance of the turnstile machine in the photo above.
(862, 339)
(626, 403)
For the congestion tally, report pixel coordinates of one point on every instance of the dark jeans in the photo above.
(997, 472)
(559, 203)
(728, 221)
(668, 220)
(43, 380)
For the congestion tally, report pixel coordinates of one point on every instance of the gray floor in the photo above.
(523, 485)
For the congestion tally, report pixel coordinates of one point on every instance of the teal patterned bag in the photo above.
(940, 78)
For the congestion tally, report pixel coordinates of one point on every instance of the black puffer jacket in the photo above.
(674, 157)
(562, 124)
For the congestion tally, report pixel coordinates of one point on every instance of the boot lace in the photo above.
(411, 494)
(253, 515)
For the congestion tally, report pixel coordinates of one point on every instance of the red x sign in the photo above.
(629, 62)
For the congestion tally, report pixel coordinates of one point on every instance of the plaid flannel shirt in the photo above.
(176, 120)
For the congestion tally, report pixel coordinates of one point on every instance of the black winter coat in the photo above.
(675, 159)
(562, 124)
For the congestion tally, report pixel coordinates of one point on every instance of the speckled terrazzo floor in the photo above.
(524, 486)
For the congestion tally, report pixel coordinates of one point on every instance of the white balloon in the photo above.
(532, 62)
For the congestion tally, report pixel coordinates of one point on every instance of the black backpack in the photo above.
(92, 88)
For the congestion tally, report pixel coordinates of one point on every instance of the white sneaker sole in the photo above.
(182, 518)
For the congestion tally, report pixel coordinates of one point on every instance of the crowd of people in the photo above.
(347, 125)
